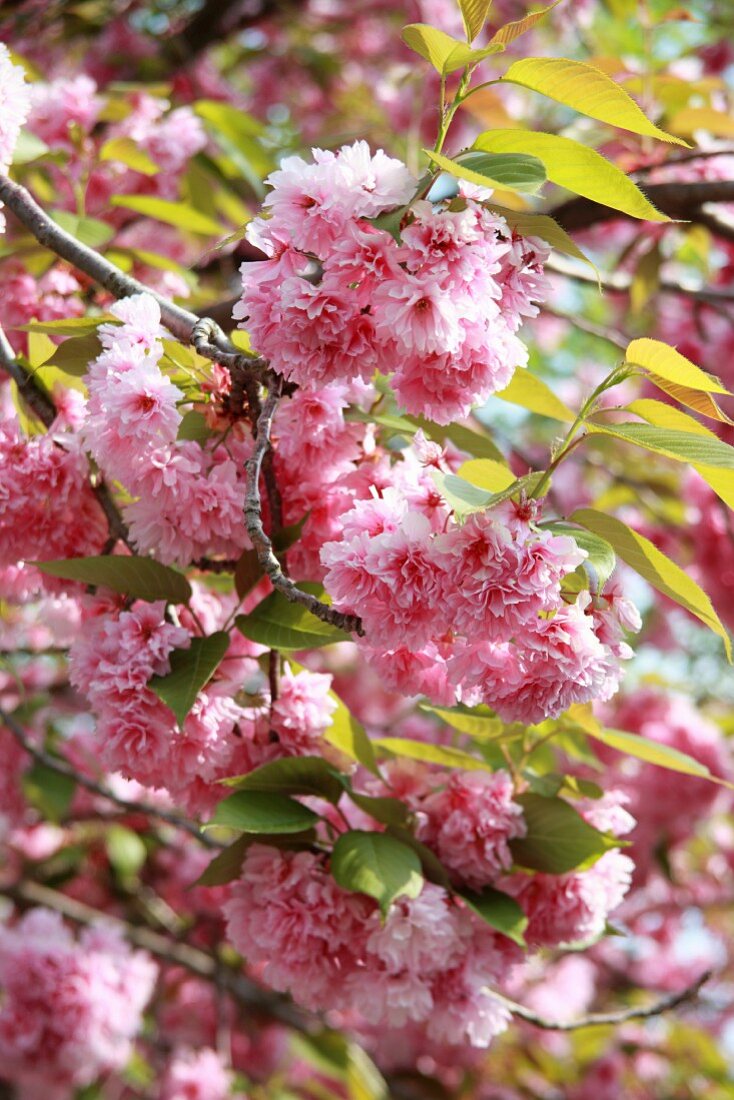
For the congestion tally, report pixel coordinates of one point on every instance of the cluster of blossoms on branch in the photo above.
(340, 298)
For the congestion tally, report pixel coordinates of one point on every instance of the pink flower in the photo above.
(70, 1009)
(469, 824)
(14, 106)
(302, 712)
(196, 1075)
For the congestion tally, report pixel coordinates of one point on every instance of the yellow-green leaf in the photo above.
(666, 416)
(507, 34)
(690, 119)
(434, 45)
(545, 227)
(531, 393)
(514, 171)
(179, 214)
(700, 402)
(683, 445)
(487, 474)
(646, 279)
(654, 566)
(127, 151)
(587, 90)
(653, 752)
(474, 13)
(665, 362)
(576, 167)
(430, 754)
(482, 727)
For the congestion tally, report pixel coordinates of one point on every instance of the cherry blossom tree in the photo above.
(366, 552)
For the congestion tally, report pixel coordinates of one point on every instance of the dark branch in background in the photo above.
(249, 995)
(61, 767)
(599, 1019)
(216, 21)
(262, 544)
(681, 201)
(621, 284)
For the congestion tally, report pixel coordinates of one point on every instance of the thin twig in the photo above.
(612, 336)
(62, 767)
(245, 992)
(260, 541)
(599, 1019)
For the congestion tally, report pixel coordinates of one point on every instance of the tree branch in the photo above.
(251, 996)
(262, 544)
(62, 767)
(621, 284)
(599, 1019)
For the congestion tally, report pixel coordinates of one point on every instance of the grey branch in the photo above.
(621, 284)
(249, 995)
(599, 1019)
(260, 541)
(62, 767)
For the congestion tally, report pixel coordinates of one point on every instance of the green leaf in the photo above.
(74, 356)
(67, 326)
(558, 839)
(507, 34)
(531, 393)
(702, 403)
(228, 120)
(511, 171)
(125, 850)
(576, 167)
(179, 214)
(28, 148)
(474, 14)
(293, 775)
(587, 90)
(388, 811)
(664, 362)
(89, 231)
(194, 427)
(654, 752)
(487, 474)
(263, 812)
(378, 865)
(499, 910)
(600, 552)
(191, 670)
(227, 866)
(433, 869)
(684, 446)
(657, 569)
(482, 727)
(349, 736)
(545, 227)
(461, 494)
(127, 151)
(466, 439)
(280, 624)
(139, 578)
(48, 791)
(247, 573)
(430, 754)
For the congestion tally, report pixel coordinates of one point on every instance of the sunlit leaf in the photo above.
(378, 865)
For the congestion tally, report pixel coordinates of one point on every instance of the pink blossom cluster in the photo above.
(70, 1008)
(111, 663)
(47, 507)
(14, 108)
(190, 501)
(338, 298)
(655, 795)
(430, 961)
(196, 1075)
(476, 611)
